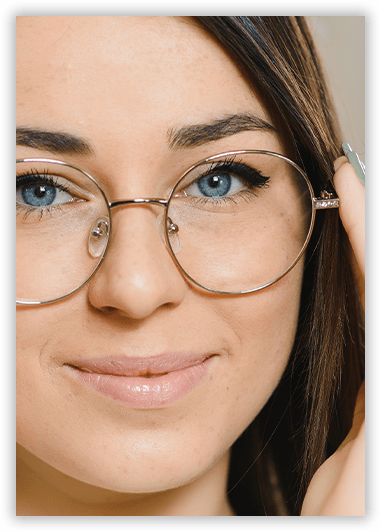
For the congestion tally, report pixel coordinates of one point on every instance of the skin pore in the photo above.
(129, 87)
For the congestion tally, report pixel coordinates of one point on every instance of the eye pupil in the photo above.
(40, 191)
(215, 185)
(214, 181)
(38, 194)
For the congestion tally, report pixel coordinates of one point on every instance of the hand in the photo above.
(338, 486)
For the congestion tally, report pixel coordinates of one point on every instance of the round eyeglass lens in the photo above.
(62, 229)
(239, 221)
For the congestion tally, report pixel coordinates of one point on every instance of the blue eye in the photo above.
(40, 192)
(226, 179)
(38, 195)
(215, 185)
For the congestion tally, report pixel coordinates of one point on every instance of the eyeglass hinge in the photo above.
(327, 200)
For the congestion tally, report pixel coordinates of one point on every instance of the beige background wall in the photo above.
(341, 41)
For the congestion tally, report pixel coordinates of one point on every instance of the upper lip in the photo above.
(140, 366)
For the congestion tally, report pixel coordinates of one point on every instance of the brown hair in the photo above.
(310, 412)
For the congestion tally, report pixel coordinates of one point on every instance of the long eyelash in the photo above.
(42, 211)
(246, 195)
(253, 176)
(35, 176)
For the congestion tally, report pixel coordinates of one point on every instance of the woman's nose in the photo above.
(137, 275)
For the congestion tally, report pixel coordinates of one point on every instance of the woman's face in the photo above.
(125, 85)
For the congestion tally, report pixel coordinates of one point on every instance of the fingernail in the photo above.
(353, 158)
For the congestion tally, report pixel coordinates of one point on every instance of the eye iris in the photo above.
(215, 185)
(38, 194)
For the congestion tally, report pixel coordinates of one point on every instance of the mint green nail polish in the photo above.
(353, 158)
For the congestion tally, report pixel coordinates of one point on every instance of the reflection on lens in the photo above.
(57, 208)
(242, 220)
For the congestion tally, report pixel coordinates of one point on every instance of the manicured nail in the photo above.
(353, 158)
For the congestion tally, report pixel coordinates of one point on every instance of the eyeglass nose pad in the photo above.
(172, 231)
(98, 236)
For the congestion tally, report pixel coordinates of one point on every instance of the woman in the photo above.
(176, 374)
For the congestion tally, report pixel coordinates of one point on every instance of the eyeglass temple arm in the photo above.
(326, 201)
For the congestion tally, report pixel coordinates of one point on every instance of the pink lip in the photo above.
(143, 382)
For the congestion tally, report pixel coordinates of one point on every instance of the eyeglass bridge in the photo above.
(101, 227)
(138, 201)
(172, 228)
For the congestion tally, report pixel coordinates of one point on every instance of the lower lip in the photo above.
(146, 392)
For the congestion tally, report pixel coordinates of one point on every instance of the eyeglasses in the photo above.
(234, 223)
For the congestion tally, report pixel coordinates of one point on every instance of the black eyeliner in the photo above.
(240, 169)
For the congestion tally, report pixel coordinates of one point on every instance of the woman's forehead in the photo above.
(126, 67)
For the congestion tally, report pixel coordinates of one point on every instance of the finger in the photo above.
(352, 207)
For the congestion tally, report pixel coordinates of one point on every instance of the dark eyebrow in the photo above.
(52, 141)
(185, 137)
(196, 135)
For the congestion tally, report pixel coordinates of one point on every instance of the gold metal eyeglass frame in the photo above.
(327, 201)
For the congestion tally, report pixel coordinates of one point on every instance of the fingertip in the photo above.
(339, 162)
(345, 179)
(351, 194)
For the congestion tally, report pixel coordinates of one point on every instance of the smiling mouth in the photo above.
(141, 366)
(144, 382)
